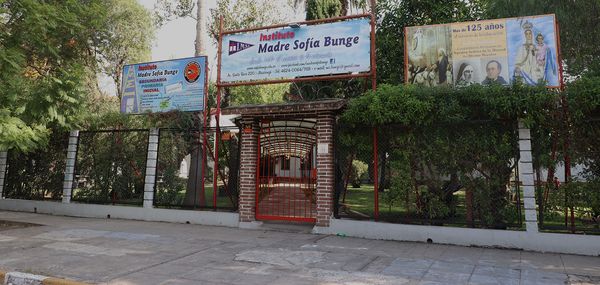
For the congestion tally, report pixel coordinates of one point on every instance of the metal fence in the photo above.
(110, 167)
(185, 180)
(463, 175)
(568, 205)
(37, 175)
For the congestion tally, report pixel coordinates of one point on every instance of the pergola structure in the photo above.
(286, 163)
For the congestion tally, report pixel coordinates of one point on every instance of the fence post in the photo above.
(151, 168)
(3, 160)
(70, 168)
(526, 177)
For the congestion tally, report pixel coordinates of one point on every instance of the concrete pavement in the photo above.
(109, 251)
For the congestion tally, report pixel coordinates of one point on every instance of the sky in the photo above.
(176, 39)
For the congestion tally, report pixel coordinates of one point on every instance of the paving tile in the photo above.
(477, 279)
(192, 254)
(468, 255)
(542, 261)
(535, 276)
(500, 258)
(581, 265)
(429, 251)
(290, 280)
(406, 272)
(451, 267)
(378, 264)
(401, 262)
(504, 272)
(444, 276)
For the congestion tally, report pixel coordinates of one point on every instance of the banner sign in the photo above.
(483, 52)
(164, 86)
(285, 53)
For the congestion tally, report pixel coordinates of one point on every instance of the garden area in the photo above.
(450, 157)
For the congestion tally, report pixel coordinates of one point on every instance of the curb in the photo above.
(20, 278)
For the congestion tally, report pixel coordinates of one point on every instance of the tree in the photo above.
(322, 9)
(242, 14)
(126, 39)
(45, 47)
(273, 93)
(167, 10)
(319, 9)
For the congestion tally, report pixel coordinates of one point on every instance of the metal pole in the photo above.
(375, 138)
(204, 136)
(567, 128)
(217, 116)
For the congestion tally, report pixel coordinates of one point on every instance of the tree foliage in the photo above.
(256, 94)
(242, 14)
(435, 141)
(126, 38)
(44, 51)
(322, 9)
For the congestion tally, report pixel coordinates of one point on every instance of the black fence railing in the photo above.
(568, 206)
(37, 175)
(111, 166)
(463, 175)
(185, 180)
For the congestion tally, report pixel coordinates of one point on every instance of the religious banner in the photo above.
(289, 52)
(498, 51)
(164, 86)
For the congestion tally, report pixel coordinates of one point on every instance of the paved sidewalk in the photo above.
(134, 252)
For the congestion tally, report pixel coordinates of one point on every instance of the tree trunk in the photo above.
(194, 192)
(344, 10)
(200, 49)
(194, 196)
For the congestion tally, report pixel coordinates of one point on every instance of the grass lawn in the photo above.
(222, 202)
(360, 202)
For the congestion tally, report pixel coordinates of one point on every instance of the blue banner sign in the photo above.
(286, 53)
(164, 86)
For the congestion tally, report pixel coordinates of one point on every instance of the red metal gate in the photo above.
(286, 178)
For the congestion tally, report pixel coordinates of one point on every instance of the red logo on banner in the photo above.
(192, 72)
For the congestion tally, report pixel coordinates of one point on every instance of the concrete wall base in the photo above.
(251, 225)
(543, 242)
(122, 212)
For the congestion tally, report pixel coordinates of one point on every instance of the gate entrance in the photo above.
(286, 180)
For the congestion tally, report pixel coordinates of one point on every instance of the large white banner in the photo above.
(499, 51)
(286, 53)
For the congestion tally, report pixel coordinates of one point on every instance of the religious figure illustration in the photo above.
(465, 75)
(442, 66)
(493, 70)
(429, 55)
(534, 62)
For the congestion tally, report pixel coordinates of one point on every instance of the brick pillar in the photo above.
(70, 168)
(249, 152)
(3, 159)
(151, 168)
(325, 168)
(526, 177)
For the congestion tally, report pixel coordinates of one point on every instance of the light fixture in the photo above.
(294, 25)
